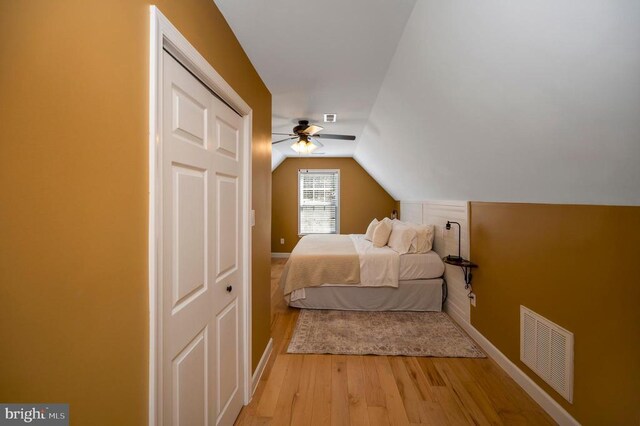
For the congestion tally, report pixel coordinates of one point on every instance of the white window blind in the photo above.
(318, 202)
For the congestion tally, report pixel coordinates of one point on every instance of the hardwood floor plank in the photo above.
(339, 391)
(409, 394)
(358, 414)
(303, 409)
(373, 390)
(490, 383)
(260, 421)
(513, 419)
(288, 397)
(537, 417)
(418, 378)
(321, 412)
(430, 372)
(460, 394)
(393, 399)
(508, 399)
(461, 369)
(454, 414)
(483, 402)
(435, 415)
(378, 416)
(267, 404)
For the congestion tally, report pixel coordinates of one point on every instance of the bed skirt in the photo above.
(413, 295)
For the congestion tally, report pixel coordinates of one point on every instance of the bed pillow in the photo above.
(413, 248)
(382, 232)
(425, 238)
(423, 243)
(402, 237)
(372, 227)
(431, 233)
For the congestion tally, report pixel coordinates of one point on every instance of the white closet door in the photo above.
(202, 363)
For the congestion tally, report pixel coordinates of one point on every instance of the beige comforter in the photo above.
(321, 259)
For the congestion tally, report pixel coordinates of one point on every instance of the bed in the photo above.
(347, 272)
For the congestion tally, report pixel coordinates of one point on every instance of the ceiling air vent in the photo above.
(330, 118)
(547, 349)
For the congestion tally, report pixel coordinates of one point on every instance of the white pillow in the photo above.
(413, 248)
(372, 227)
(431, 233)
(382, 232)
(423, 243)
(425, 238)
(402, 237)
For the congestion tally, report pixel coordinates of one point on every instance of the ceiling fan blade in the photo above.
(312, 130)
(341, 137)
(284, 134)
(282, 140)
(316, 142)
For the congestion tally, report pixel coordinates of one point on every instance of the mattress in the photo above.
(411, 295)
(420, 266)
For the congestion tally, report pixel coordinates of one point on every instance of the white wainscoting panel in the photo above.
(411, 211)
(445, 242)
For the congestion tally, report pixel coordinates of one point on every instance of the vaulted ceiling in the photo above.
(319, 57)
(490, 101)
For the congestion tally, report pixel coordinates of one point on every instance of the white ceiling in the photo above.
(488, 101)
(319, 56)
(511, 101)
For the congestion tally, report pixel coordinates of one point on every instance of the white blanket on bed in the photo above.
(379, 266)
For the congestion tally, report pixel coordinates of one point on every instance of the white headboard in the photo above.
(446, 242)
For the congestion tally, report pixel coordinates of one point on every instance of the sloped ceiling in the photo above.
(511, 101)
(319, 56)
(489, 100)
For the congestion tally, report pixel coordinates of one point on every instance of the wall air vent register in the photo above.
(547, 349)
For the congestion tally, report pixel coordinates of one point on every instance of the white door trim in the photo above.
(164, 34)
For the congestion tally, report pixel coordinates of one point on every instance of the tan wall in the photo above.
(577, 266)
(361, 198)
(73, 197)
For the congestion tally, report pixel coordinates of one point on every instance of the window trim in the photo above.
(337, 172)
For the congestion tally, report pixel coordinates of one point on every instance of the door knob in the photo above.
(229, 288)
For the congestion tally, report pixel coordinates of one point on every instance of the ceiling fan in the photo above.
(304, 132)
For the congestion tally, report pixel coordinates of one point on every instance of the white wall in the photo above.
(511, 101)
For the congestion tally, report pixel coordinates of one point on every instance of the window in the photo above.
(318, 202)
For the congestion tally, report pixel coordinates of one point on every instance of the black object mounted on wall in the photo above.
(448, 227)
(458, 260)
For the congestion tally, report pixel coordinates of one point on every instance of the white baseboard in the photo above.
(261, 365)
(454, 311)
(548, 404)
(280, 255)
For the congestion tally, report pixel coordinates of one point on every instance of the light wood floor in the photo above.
(380, 390)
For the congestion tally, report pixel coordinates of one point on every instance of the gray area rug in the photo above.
(380, 333)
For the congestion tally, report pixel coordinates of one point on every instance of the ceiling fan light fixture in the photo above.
(303, 133)
(304, 146)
